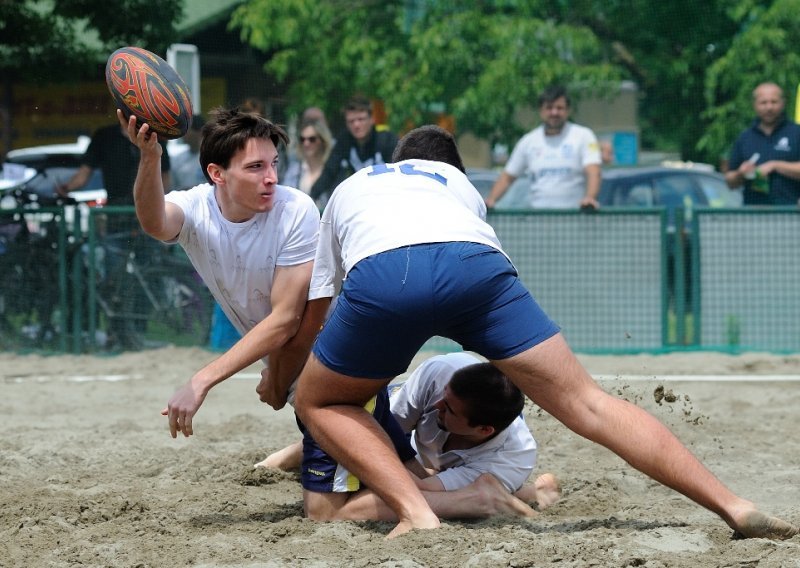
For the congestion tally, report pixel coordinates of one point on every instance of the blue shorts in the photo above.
(391, 303)
(320, 473)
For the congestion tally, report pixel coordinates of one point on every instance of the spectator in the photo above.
(563, 159)
(315, 144)
(766, 157)
(360, 146)
(186, 169)
(117, 158)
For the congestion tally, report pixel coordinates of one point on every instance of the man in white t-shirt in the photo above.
(562, 158)
(252, 242)
(406, 246)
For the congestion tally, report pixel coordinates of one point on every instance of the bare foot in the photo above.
(286, 459)
(755, 524)
(544, 492)
(429, 522)
(492, 498)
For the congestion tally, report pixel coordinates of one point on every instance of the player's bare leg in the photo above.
(552, 377)
(331, 407)
(287, 458)
(543, 492)
(485, 497)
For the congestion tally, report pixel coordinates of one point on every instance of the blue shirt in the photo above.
(782, 144)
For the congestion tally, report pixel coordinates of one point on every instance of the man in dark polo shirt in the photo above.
(766, 157)
(113, 154)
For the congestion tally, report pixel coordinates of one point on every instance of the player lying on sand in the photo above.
(475, 451)
(420, 261)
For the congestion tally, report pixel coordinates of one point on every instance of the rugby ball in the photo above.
(144, 85)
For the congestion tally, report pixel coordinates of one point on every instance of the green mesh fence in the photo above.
(90, 281)
(748, 279)
(34, 309)
(600, 276)
(95, 284)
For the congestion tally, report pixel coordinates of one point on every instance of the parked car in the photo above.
(56, 163)
(672, 186)
(515, 197)
(665, 186)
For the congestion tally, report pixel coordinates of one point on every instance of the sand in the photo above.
(90, 476)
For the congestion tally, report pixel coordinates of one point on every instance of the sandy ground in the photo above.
(90, 477)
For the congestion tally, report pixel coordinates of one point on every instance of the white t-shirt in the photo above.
(237, 260)
(510, 456)
(388, 206)
(555, 164)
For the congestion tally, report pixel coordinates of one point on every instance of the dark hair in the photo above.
(228, 132)
(490, 398)
(429, 142)
(358, 103)
(552, 94)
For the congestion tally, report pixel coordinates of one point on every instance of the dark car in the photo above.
(668, 187)
(681, 185)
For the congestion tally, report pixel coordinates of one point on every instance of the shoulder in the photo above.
(580, 131)
(385, 136)
(442, 367)
(791, 128)
(297, 201)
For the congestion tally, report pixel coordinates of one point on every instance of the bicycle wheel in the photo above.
(176, 304)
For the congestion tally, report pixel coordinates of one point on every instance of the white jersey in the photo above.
(555, 164)
(510, 456)
(237, 260)
(388, 206)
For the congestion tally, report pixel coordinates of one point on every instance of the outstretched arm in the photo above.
(289, 292)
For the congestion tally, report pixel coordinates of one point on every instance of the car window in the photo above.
(677, 191)
(631, 194)
(718, 193)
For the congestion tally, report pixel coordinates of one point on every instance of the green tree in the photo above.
(764, 50)
(50, 41)
(478, 62)
(666, 48)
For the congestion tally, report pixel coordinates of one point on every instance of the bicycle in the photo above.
(142, 291)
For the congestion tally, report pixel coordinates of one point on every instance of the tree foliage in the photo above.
(479, 62)
(763, 51)
(695, 63)
(47, 41)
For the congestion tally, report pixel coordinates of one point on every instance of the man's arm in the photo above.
(286, 362)
(288, 297)
(593, 175)
(781, 167)
(499, 188)
(159, 219)
(79, 179)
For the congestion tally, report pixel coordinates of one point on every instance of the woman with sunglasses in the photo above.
(314, 146)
